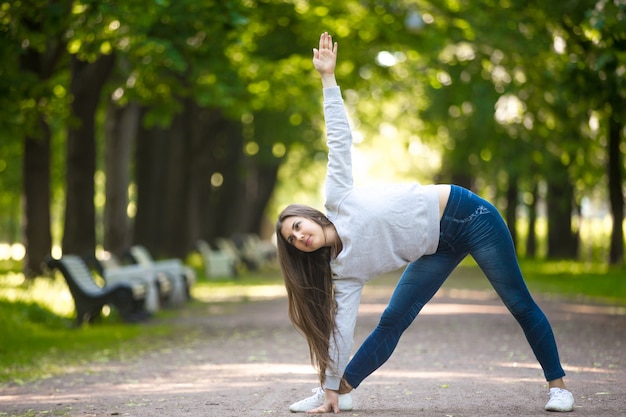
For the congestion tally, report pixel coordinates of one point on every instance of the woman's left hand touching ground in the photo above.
(331, 403)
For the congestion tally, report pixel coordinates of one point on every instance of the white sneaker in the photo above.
(560, 400)
(317, 399)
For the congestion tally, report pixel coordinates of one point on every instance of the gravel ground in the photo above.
(463, 356)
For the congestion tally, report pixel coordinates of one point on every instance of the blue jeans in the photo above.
(470, 225)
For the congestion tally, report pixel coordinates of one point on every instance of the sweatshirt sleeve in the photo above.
(348, 297)
(339, 179)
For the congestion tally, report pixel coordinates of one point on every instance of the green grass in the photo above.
(37, 343)
(39, 338)
(577, 280)
(570, 280)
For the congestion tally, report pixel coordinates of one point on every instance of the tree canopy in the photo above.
(209, 114)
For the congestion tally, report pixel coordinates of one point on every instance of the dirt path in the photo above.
(464, 356)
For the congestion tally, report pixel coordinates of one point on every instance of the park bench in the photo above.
(89, 298)
(159, 287)
(262, 252)
(249, 250)
(217, 263)
(228, 247)
(181, 276)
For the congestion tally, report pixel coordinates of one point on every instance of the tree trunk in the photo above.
(36, 220)
(531, 240)
(201, 168)
(615, 173)
(120, 131)
(217, 150)
(227, 200)
(163, 174)
(511, 208)
(561, 241)
(88, 79)
(149, 177)
(259, 188)
(175, 219)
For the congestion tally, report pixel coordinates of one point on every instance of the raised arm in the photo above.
(325, 60)
(339, 180)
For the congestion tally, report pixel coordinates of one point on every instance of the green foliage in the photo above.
(426, 97)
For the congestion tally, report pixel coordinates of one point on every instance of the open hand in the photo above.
(325, 58)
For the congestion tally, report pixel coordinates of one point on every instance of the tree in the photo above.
(589, 40)
(87, 82)
(607, 20)
(186, 103)
(208, 107)
(121, 127)
(557, 61)
(35, 35)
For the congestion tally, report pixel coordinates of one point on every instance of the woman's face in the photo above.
(303, 233)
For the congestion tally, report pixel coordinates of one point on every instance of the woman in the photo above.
(327, 258)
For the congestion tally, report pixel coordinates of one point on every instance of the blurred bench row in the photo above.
(135, 290)
(139, 289)
(227, 257)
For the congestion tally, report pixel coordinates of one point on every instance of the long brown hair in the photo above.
(308, 279)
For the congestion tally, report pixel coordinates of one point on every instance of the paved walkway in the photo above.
(463, 356)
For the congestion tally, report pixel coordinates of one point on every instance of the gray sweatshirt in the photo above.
(381, 229)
